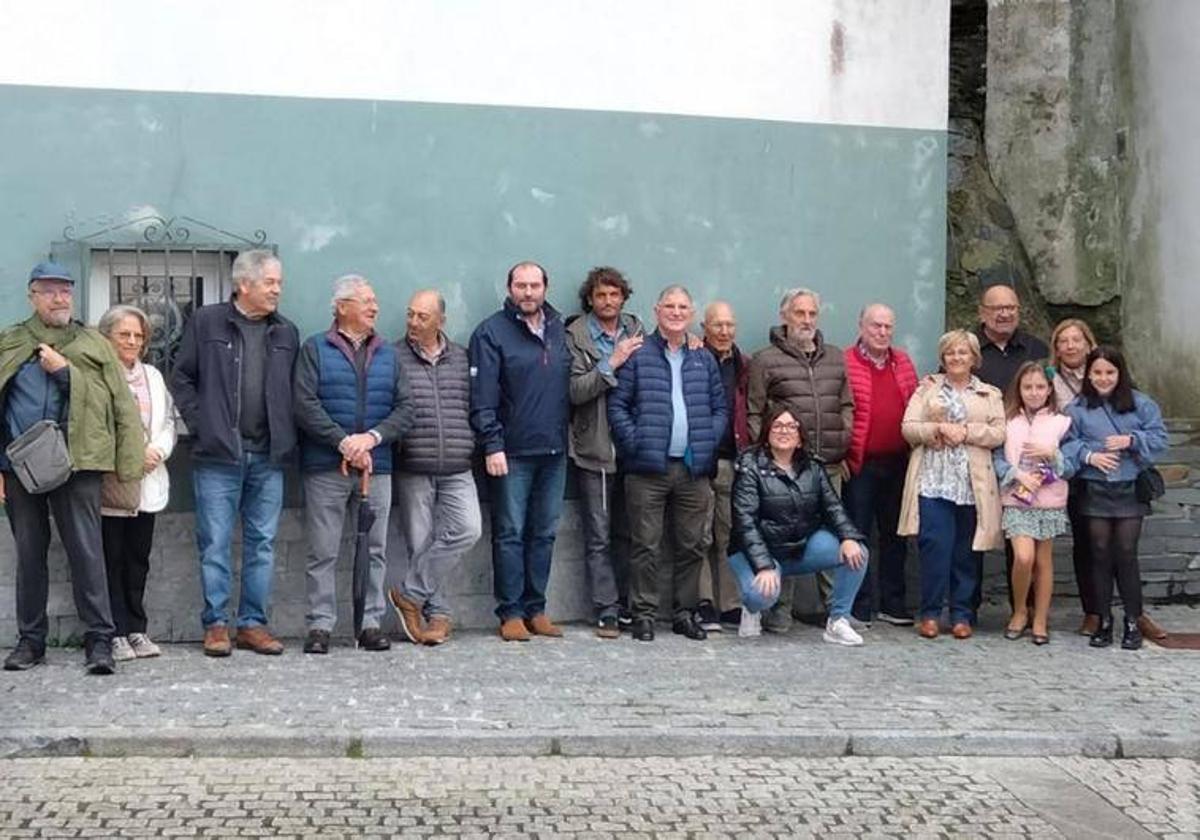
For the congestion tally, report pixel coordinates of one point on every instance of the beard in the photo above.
(803, 337)
(57, 318)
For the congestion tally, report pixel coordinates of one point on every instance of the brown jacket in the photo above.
(816, 392)
(985, 431)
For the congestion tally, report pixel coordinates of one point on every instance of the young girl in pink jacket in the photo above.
(1032, 473)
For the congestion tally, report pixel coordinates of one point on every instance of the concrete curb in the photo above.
(259, 742)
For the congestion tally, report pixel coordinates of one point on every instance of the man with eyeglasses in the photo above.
(351, 405)
(1003, 344)
(54, 368)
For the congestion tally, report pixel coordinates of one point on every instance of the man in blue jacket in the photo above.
(233, 385)
(520, 369)
(667, 416)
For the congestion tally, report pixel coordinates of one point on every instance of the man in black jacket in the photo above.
(233, 385)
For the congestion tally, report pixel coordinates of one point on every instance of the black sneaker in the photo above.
(24, 656)
(706, 617)
(606, 627)
(624, 619)
(732, 617)
(372, 638)
(99, 657)
(895, 618)
(317, 641)
(1131, 639)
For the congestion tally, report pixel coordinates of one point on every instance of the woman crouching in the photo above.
(787, 520)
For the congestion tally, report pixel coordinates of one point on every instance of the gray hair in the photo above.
(346, 287)
(441, 300)
(862, 314)
(248, 265)
(670, 290)
(115, 314)
(799, 291)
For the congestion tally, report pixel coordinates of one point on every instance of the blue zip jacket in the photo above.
(520, 402)
(640, 412)
(1090, 426)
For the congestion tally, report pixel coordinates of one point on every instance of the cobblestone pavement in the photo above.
(790, 695)
(589, 797)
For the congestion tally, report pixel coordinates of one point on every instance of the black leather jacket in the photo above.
(775, 514)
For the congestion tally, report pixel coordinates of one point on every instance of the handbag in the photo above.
(40, 458)
(116, 494)
(1149, 484)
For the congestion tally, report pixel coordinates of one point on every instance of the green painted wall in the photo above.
(449, 195)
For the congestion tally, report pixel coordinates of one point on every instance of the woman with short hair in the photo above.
(951, 496)
(1116, 432)
(128, 509)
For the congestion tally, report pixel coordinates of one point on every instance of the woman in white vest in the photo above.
(128, 508)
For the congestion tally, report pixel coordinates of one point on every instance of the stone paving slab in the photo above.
(779, 695)
(701, 797)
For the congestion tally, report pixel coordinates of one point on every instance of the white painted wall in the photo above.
(761, 59)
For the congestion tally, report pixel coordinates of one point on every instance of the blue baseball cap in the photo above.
(50, 270)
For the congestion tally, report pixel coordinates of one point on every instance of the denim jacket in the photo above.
(1090, 426)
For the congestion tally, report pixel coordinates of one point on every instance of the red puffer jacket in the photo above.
(859, 374)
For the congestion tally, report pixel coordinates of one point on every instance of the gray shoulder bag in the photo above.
(40, 458)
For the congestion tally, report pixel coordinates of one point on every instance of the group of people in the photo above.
(766, 466)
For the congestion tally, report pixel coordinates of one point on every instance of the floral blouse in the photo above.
(945, 472)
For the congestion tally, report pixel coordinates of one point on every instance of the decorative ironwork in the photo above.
(157, 230)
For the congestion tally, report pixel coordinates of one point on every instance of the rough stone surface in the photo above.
(476, 695)
(703, 797)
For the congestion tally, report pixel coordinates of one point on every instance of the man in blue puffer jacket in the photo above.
(352, 404)
(520, 371)
(667, 415)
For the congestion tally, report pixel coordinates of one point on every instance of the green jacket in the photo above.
(104, 429)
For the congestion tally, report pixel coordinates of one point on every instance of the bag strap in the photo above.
(1112, 422)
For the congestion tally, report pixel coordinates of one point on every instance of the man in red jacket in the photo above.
(882, 379)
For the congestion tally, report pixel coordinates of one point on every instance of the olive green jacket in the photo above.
(104, 430)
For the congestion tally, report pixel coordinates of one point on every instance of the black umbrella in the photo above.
(362, 549)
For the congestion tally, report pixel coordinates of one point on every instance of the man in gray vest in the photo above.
(351, 406)
(438, 503)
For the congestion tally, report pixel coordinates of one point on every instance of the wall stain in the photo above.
(837, 49)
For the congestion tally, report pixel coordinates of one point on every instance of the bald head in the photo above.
(876, 328)
(426, 317)
(720, 326)
(1000, 312)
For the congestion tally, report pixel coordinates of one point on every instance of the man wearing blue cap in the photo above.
(54, 368)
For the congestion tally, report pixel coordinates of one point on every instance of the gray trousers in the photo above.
(690, 500)
(596, 496)
(76, 507)
(718, 586)
(327, 495)
(439, 520)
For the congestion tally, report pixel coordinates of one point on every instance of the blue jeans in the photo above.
(948, 565)
(255, 488)
(823, 551)
(872, 498)
(526, 504)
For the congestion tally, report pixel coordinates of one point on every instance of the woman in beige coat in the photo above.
(951, 496)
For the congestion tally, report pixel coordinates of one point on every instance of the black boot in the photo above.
(1132, 638)
(1103, 635)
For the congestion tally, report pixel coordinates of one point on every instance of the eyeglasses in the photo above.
(53, 293)
(785, 427)
(130, 336)
(1002, 307)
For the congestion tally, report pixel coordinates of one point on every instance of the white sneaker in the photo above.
(121, 649)
(143, 648)
(840, 632)
(750, 625)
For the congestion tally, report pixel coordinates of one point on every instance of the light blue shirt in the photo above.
(605, 343)
(679, 423)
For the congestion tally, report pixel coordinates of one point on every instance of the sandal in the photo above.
(1041, 638)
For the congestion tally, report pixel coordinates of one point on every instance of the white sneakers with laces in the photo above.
(122, 651)
(142, 647)
(751, 624)
(839, 632)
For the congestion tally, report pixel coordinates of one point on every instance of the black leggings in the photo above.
(127, 543)
(1113, 544)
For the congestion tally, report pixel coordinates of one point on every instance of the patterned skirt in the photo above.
(1039, 523)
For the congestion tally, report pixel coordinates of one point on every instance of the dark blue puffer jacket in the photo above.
(353, 404)
(520, 400)
(640, 412)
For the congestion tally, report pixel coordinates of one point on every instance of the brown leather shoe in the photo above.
(1150, 628)
(437, 630)
(216, 641)
(962, 630)
(543, 626)
(928, 628)
(259, 640)
(513, 630)
(411, 621)
(1091, 623)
